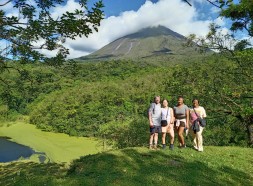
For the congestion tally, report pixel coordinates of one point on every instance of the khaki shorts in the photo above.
(168, 129)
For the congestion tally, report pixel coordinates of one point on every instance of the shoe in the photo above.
(164, 146)
(150, 147)
(155, 147)
(196, 148)
(200, 149)
(183, 146)
(171, 146)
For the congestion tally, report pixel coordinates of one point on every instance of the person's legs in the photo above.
(155, 140)
(194, 139)
(163, 139)
(172, 135)
(164, 131)
(178, 136)
(199, 139)
(151, 138)
(181, 136)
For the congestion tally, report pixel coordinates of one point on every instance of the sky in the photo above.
(123, 17)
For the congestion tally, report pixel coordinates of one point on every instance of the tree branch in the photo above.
(187, 2)
(5, 3)
(213, 4)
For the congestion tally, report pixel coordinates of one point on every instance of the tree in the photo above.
(231, 88)
(241, 13)
(35, 28)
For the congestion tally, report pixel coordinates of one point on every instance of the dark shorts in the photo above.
(178, 123)
(182, 124)
(155, 129)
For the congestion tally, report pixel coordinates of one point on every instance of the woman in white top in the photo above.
(195, 112)
(167, 122)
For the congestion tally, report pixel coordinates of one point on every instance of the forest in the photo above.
(109, 99)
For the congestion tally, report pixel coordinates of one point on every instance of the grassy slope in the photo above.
(140, 166)
(57, 146)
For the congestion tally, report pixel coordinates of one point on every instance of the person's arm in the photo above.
(172, 118)
(203, 112)
(187, 118)
(150, 119)
(150, 116)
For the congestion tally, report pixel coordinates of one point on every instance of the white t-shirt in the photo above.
(166, 114)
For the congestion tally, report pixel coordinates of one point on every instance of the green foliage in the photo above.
(35, 22)
(122, 134)
(240, 13)
(110, 99)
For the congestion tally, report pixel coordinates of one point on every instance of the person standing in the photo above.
(197, 112)
(154, 116)
(181, 114)
(167, 123)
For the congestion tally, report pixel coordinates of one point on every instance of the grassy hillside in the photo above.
(140, 166)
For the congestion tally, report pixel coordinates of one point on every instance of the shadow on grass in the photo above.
(131, 167)
(33, 173)
(135, 166)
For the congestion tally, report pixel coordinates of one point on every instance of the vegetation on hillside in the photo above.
(110, 99)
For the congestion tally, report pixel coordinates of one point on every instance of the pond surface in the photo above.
(11, 151)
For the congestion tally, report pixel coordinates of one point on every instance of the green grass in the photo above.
(57, 146)
(140, 166)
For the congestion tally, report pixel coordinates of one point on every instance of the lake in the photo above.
(11, 151)
(48, 146)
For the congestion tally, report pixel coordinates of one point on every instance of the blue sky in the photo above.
(115, 7)
(123, 17)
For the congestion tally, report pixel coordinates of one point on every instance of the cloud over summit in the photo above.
(174, 14)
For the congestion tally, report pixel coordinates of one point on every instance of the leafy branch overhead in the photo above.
(240, 13)
(35, 28)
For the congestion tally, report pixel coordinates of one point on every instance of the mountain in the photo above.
(152, 42)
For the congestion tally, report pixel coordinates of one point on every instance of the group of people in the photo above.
(166, 120)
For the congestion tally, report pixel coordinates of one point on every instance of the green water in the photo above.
(57, 146)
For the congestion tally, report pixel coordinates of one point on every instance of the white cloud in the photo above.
(70, 6)
(174, 14)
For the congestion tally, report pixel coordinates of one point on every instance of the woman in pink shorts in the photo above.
(167, 123)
